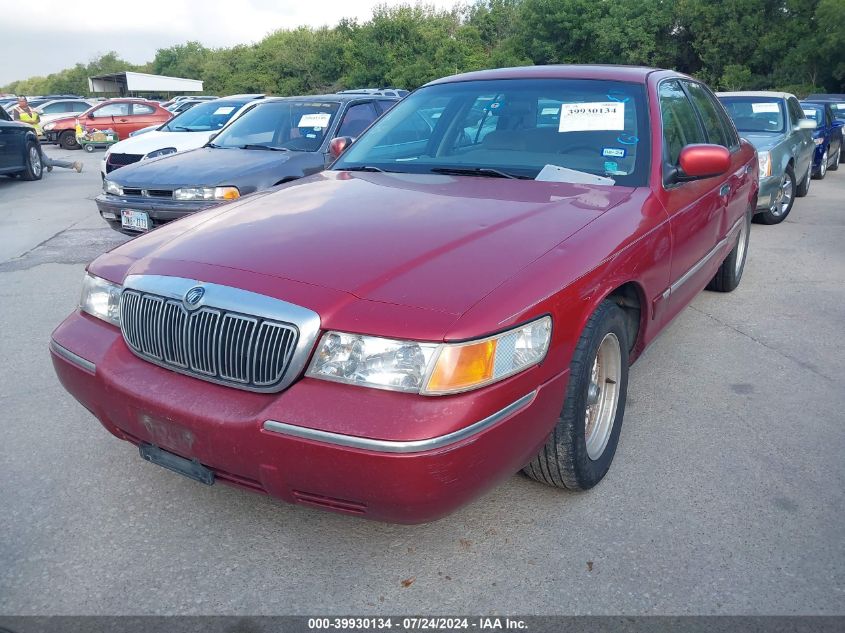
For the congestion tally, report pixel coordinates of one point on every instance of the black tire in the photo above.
(804, 187)
(822, 167)
(563, 461)
(34, 169)
(769, 217)
(728, 276)
(834, 166)
(67, 140)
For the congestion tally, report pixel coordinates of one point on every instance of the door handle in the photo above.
(725, 190)
(122, 120)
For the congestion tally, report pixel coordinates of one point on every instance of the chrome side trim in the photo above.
(701, 263)
(69, 356)
(389, 446)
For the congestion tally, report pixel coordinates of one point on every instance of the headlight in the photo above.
(207, 193)
(818, 141)
(765, 163)
(429, 368)
(112, 187)
(101, 298)
(164, 151)
(49, 127)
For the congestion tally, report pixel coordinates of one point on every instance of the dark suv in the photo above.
(277, 140)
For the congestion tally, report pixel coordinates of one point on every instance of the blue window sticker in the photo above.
(611, 166)
(617, 95)
(627, 139)
(613, 152)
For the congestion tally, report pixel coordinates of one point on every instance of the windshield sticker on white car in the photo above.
(759, 108)
(613, 152)
(223, 110)
(315, 119)
(810, 114)
(592, 117)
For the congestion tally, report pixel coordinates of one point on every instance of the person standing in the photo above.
(25, 114)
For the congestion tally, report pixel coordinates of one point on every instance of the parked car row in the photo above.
(393, 305)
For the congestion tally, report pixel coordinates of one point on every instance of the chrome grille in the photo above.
(210, 343)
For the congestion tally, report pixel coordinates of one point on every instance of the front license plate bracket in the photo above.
(190, 468)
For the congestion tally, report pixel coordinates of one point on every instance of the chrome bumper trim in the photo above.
(69, 356)
(389, 446)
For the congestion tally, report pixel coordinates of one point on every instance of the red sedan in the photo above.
(123, 116)
(457, 298)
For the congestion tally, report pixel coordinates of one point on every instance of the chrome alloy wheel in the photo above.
(602, 395)
(823, 167)
(35, 161)
(741, 245)
(784, 196)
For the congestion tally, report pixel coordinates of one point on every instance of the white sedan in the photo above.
(188, 130)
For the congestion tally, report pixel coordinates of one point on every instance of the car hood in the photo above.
(763, 140)
(206, 166)
(156, 139)
(434, 242)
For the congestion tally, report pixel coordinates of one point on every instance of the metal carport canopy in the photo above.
(127, 82)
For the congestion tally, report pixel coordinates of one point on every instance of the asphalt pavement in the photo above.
(725, 497)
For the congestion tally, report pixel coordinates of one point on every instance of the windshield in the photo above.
(755, 114)
(513, 128)
(203, 117)
(299, 125)
(838, 111)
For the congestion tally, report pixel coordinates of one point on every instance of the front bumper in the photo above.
(160, 210)
(383, 455)
(770, 192)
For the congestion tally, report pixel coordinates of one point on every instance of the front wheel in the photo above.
(823, 167)
(784, 199)
(67, 140)
(34, 168)
(578, 453)
(728, 276)
(804, 187)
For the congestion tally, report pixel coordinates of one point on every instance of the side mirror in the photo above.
(91, 116)
(702, 161)
(338, 145)
(806, 124)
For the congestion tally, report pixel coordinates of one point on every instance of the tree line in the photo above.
(792, 45)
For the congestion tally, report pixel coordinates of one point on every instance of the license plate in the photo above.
(134, 220)
(190, 468)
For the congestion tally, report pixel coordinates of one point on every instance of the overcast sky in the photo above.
(45, 36)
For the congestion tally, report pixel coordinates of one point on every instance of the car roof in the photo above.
(343, 98)
(830, 96)
(612, 72)
(756, 93)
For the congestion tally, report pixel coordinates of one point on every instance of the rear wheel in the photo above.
(67, 140)
(728, 276)
(784, 199)
(578, 453)
(34, 166)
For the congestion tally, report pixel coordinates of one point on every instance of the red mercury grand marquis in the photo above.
(457, 298)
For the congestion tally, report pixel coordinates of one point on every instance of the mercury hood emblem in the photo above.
(193, 297)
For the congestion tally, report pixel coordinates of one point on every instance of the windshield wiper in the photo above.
(366, 168)
(267, 147)
(486, 172)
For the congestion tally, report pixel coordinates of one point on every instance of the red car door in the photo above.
(143, 115)
(696, 208)
(720, 131)
(108, 116)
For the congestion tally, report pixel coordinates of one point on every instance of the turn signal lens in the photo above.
(461, 367)
(765, 164)
(464, 366)
(226, 193)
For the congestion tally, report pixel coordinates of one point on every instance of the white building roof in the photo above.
(124, 82)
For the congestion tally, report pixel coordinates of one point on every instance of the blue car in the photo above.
(827, 136)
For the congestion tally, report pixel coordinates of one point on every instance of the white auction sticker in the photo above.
(592, 117)
(316, 119)
(758, 108)
(224, 110)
